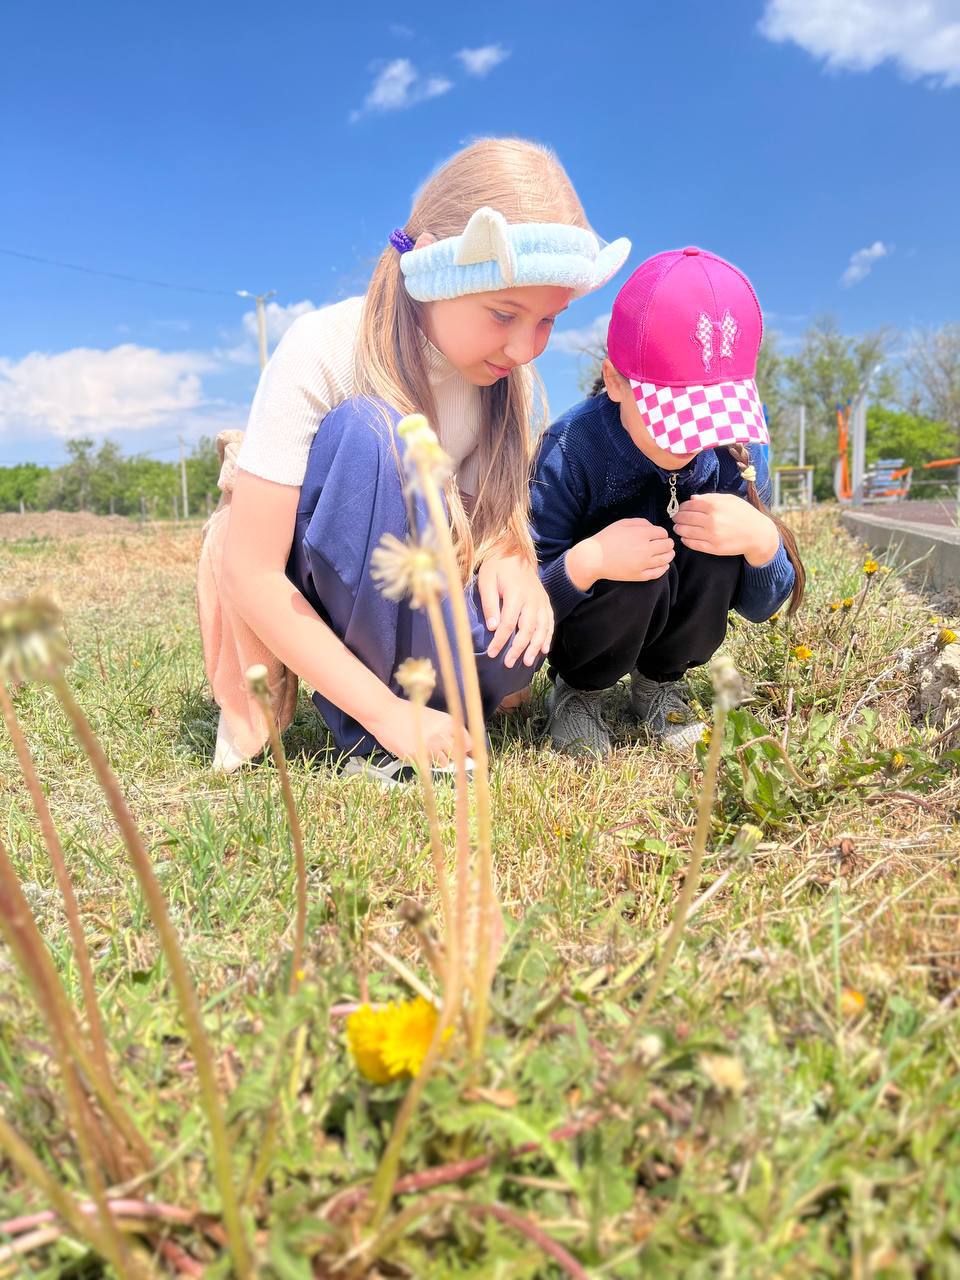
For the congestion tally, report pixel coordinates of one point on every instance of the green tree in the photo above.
(892, 433)
(933, 363)
(829, 369)
(21, 483)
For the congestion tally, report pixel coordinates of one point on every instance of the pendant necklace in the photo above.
(673, 506)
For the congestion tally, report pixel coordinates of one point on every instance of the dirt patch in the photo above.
(36, 526)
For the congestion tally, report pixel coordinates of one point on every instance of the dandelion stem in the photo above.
(484, 960)
(20, 1155)
(22, 935)
(451, 691)
(296, 832)
(180, 974)
(437, 851)
(691, 879)
(54, 848)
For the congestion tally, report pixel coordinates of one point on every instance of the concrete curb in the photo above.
(936, 546)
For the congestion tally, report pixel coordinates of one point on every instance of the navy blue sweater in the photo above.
(589, 473)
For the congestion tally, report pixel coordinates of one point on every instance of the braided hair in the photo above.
(747, 471)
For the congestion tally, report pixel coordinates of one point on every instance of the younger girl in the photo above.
(647, 515)
(461, 300)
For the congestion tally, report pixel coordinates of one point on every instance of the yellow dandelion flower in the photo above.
(393, 1041)
(705, 737)
(406, 569)
(802, 653)
(852, 1002)
(847, 602)
(946, 636)
(32, 643)
(897, 760)
(365, 1028)
(407, 1036)
(870, 567)
(834, 606)
(774, 616)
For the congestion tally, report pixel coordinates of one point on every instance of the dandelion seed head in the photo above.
(406, 569)
(258, 681)
(724, 1072)
(423, 448)
(727, 681)
(32, 643)
(417, 678)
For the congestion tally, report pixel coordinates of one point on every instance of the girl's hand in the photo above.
(723, 524)
(515, 604)
(396, 731)
(630, 550)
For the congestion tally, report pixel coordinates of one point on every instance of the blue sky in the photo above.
(236, 146)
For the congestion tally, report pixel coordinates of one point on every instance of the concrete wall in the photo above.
(937, 547)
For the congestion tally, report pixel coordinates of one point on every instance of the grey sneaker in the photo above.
(575, 720)
(664, 709)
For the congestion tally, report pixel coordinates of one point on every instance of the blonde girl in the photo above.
(461, 301)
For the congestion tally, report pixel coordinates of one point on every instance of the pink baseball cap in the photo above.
(685, 331)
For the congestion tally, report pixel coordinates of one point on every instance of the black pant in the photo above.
(658, 628)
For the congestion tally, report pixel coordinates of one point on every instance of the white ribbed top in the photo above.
(311, 372)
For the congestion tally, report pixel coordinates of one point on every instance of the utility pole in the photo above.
(260, 299)
(802, 441)
(183, 479)
(858, 422)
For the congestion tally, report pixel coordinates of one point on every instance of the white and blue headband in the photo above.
(491, 253)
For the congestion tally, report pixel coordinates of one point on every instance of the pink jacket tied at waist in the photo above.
(230, 648)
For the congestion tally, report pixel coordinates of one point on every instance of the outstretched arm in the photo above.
(262, 520)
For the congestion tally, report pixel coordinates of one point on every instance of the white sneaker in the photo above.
(575, 720)
(390, 772)
(663, 707)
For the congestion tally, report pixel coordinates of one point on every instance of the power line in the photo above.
(118, 275)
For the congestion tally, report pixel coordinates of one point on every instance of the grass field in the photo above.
(793, 1108)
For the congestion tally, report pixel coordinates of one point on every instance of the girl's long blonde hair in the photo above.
(526, 183)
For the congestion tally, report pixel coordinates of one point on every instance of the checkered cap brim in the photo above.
(691, 419)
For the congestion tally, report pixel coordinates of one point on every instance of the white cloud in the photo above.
(399, 85)
(589, 340)
(279, 320)
(125, 388)
(861, 262)
(921, 39)
(479, 62)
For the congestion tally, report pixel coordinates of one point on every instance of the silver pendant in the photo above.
(673, 506)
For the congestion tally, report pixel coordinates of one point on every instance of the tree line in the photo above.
(913, 414)
(105, 481)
